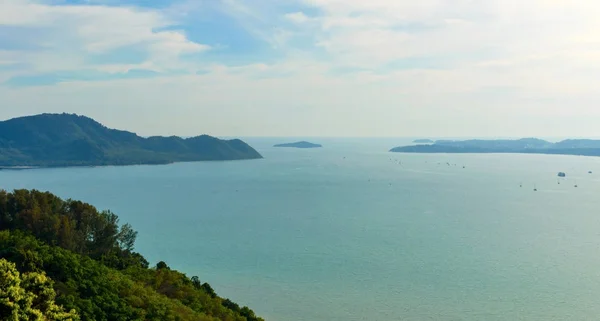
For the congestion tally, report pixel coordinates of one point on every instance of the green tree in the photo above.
(126, 237)
(90, 259)
(162, 266)
(28, 297)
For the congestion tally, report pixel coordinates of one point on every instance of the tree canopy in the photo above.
(68, 252)
(29, 297)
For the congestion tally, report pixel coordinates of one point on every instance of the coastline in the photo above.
(20, 168)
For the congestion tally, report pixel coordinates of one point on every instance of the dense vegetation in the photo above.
(84, 263)
(29, 297)
(585, 147)
(71, 140)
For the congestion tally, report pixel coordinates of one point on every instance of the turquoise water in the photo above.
(347, 233)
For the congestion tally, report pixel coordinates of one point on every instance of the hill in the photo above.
(72, 140)
(584, 147)
(301, 144)
(67, 261)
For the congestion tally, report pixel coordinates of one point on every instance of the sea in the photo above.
(353, 232)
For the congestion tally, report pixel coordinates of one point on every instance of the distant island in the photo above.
(54, 140)
(301, 144)
(423, 141)
(583, 147)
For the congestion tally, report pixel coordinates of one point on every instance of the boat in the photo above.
(534, 188)
(562, 174)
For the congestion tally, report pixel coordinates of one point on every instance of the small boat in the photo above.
(534, 188)
(576, 184)
(589, 172)
(562, 174)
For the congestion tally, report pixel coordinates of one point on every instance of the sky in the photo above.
(377, 68)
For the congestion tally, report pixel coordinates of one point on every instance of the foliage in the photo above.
(72, 225)
(89, 257)
(71, 140)
(29, 297)
(190, 291)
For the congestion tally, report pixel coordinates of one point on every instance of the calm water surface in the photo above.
(348, 233)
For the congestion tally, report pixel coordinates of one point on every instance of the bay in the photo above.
(352, 232)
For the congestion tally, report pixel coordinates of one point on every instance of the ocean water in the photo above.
(352, 232)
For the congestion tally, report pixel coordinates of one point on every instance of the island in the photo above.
(301, 144)
(56, 140)
(64, 260)
(582, 147)
(423, 141)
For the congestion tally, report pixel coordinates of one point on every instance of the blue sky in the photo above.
(307, 67)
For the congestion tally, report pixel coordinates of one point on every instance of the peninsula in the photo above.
(55, 140)
(301, 144)
(583, 147)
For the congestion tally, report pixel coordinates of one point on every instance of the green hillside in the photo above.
(72, 140)
(87, 260)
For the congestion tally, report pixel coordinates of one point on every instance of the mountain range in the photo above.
(584, 147)
(49, 140)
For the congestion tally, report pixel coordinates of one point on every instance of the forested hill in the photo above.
(584, 147)
(72, 140)
(65, 261)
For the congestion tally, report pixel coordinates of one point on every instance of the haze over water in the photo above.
(348, 233)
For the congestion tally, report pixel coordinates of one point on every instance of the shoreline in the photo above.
(20, 168)
(494, 152)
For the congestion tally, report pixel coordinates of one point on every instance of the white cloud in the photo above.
(297, 17)
(437, 27)
(504, 67)
(310, 101)
(71, 32)
(260, 18)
